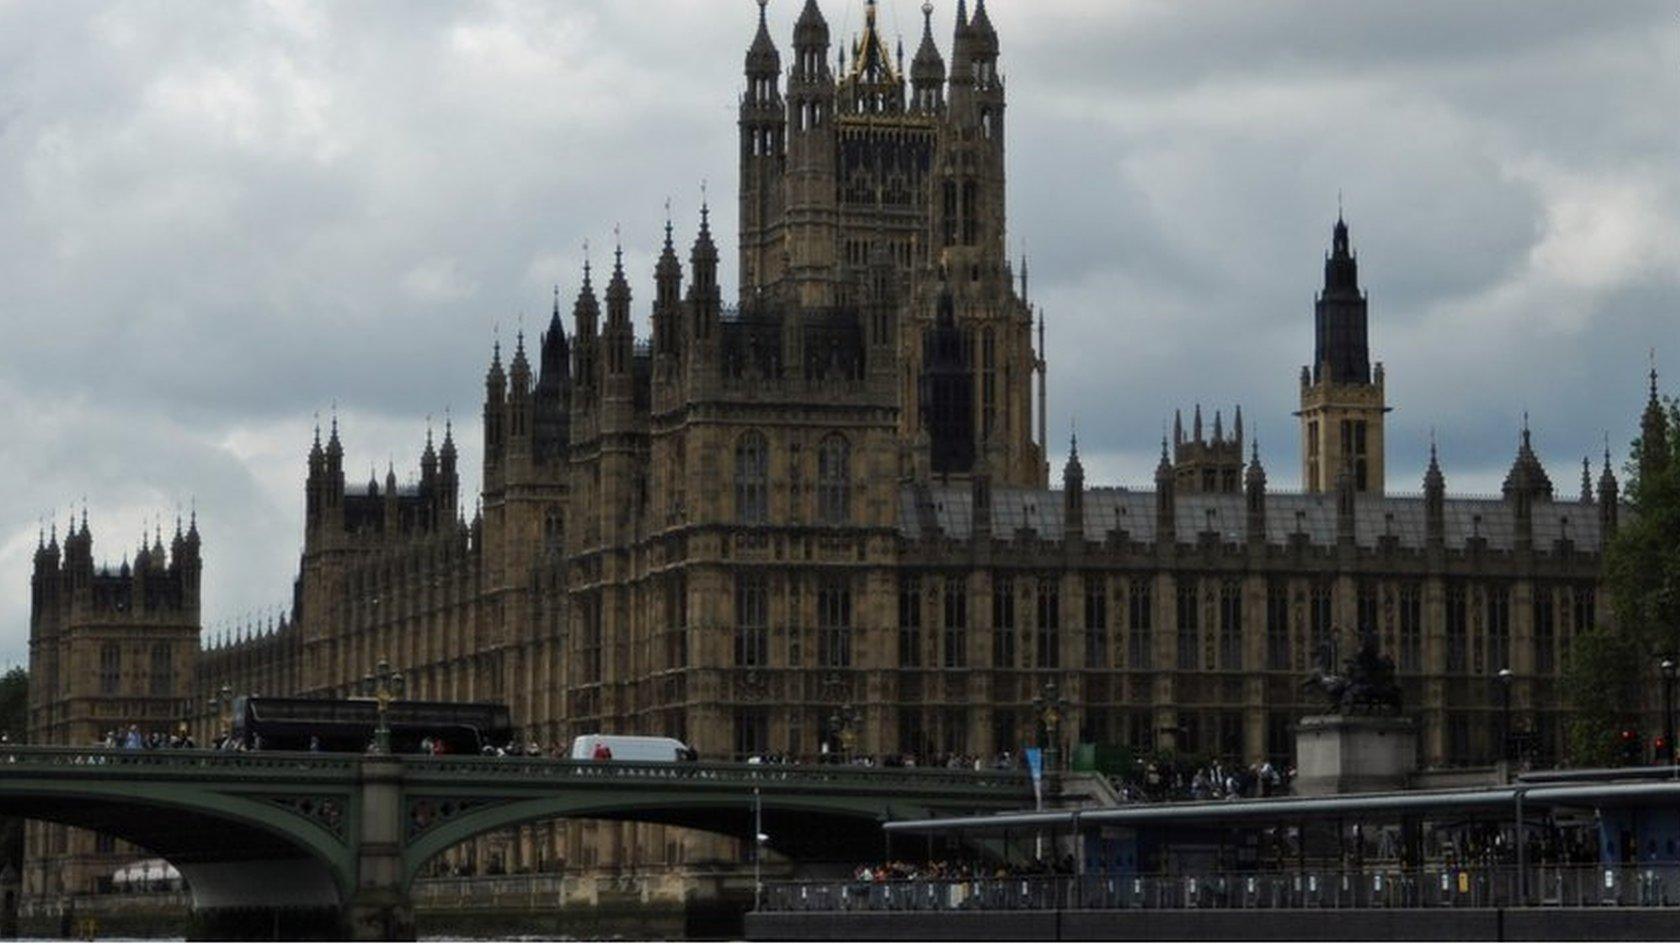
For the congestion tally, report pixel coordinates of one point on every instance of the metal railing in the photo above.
(785, 776)
(1439, 887)
(20, 757)
(547, 770)
(481, 891)
(105, 903)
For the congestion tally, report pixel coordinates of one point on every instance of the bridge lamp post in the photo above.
(222, 701)
(1049, 706)
(186, 717)
(1504, 676)
(760, 838)
(1669, 671)
(844, 725)
(384, 687)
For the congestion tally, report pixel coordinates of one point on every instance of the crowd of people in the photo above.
(135, 739)
(1158, 780)
(960, 871)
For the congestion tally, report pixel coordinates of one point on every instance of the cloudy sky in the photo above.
(219, 218)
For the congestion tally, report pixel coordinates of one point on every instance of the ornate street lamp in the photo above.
(184, 729)
(1669, 671)
(384, 687)
(1049, 707)
(844, 724)
(222, 702)
(1505, 676)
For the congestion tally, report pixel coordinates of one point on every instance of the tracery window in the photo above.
(954, 641)
(163, 669)
(1230, 625)
(1003, 622)
(110, 669)
(834, 624)
(752, 621)
(1411, 627)
(1140, 624)
(1048, 632)
(834, 481)
(1277, 626)
(752, 480)
(909, 622)
(1187, 623)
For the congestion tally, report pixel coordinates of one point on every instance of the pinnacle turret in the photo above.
(704, 257)
(586, 311)
(669, 266)
(1609, 497)
(1527, 476)
(335, 449)
(985, 35)
(448, 453)
(555, 367)
(928, 68)
(1434, 483)
(811, 41)
(764, 61)
(1653, 431)
(1074, 471)
(495, 379)
(618, 291)
(519, 373)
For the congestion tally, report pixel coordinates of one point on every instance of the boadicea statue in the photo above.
(1366, 684)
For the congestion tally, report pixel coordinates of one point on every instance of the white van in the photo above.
(630, 748)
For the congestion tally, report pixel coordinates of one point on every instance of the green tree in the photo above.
(14, 721)
(1602, 679)
(1612, 667)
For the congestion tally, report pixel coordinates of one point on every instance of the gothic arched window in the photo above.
(834, 481)
(752, 480)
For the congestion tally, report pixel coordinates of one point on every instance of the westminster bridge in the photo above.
(314, 831)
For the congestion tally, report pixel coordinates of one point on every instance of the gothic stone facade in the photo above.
(109, 648)
(835, 492)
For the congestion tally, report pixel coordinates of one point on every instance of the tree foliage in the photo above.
(14, 721)
(1611, 668)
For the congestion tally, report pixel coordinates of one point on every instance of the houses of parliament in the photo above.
(833, 493)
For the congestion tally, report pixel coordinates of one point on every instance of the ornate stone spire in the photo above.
(1527, 476)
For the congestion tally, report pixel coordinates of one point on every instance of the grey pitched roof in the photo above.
(1376, 517)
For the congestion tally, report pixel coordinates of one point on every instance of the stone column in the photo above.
(1255, 668)
(1432, 712)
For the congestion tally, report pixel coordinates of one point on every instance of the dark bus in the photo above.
(273, 723)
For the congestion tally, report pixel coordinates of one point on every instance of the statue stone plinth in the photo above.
(1350, 754)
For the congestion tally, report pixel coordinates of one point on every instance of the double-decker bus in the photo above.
(273, 723)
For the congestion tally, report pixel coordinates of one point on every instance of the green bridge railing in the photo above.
(212, 764)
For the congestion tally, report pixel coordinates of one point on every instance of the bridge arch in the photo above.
(234, 847)
(716, 813)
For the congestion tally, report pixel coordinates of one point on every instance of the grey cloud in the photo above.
(221, 217)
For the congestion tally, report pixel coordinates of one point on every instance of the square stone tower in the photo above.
(1342, 405)
(108, 649)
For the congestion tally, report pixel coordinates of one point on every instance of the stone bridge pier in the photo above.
(305, 897)
(379, 908)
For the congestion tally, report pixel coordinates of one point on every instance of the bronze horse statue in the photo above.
(1365, 686)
